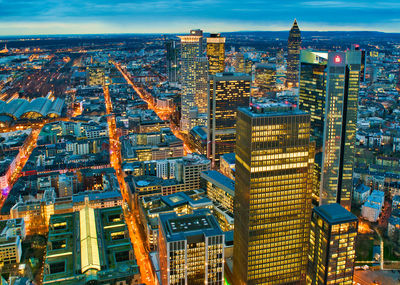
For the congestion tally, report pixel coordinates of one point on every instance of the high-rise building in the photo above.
(272, 203)
(294, 45)
(312, 92)
(201, 93)
(227, 92)
(216, 53)
(239, 62)
(329, 85)
(191, 249)
(398, 79)
(341, 102)
(172, 60)
(191, 51)
(332, 245)
(265, 77)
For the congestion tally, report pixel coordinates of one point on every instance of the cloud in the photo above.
(103, 16)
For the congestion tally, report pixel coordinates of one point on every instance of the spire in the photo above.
(295, 26)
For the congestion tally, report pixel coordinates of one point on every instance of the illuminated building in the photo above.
(227, 92)
(191, 249)
(182, 203)
(192, 69)
(220, 188)
(294, 45)
(172, 61)
(90, 246)
(198, 139)
(272, 203)
(227, 165)
(265, 77)
(200, 97)
(342, 87)
(216, 53)
(312, 92)
(95, 75)
(332, 245)
(239, 62)
(12, 232)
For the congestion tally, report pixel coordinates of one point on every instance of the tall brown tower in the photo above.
(294, 44)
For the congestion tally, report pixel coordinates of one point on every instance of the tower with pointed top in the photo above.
(294, 44)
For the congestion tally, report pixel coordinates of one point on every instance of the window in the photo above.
(57, 267)
(122, 256)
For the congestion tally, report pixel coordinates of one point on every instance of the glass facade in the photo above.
(274, 163)
(343, 76)
(332, 247)
(227, 92)
(216, 53)
(172, 60)
(294, 44)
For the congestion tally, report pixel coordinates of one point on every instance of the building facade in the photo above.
(227, 92)
(342, 87)
(294, 45)
(191, 249)
(272, 203)
(172, 60)
(332, 245)
(216, 53)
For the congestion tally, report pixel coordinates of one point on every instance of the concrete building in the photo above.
(191, 249)
(90, 246)
(332, 246)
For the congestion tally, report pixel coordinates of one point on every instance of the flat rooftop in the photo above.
(220, 180)
(270, 110)
(335, 214)
(201, 222)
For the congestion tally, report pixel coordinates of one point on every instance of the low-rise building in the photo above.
(220, 188)
(361, 193)
(394, 226)
(227, 165)
(12, 232)
(396, 202)
(91, 246)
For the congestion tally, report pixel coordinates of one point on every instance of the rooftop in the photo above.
(335, 214)
(201, 222)
(220, 180)
(270, 110)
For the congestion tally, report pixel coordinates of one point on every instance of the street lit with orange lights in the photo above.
(133, 226)
(162, 113)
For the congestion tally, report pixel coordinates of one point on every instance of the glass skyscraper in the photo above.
(227, 92)
(216, 53)
(274, 163)
(332, 246)
(294, 45)
(172, 61)
(342, 87)
(191, 51)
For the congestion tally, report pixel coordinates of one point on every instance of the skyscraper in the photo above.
(172, 61)
(294, 45)
(216, 53)
(227, 92)
(201, 92)
(332, 245)
(191, 51)
(272, 201)
(342, 87)
(312, 92)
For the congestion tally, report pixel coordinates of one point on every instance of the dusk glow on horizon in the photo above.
(24, 17)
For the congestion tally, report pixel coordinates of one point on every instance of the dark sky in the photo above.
(26, 17)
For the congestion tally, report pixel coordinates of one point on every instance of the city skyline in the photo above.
(23, 17)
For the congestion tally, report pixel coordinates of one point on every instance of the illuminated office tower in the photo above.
(341, 101)
(172, 61)
(312, 100)
(227, 92)
(95, 75)
(216, 53)
(191, 50)
(265, 77)
(190, 249)
(239, 62)
(272, 202)
(332, 246)
(201, 92)
(294, 45)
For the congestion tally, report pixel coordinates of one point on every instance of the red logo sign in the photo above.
(338, 59)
